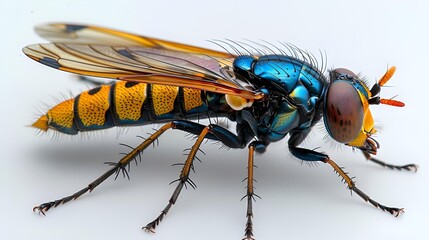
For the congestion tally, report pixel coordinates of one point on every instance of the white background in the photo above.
(298, 202)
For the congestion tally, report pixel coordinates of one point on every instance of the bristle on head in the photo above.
(41, 123)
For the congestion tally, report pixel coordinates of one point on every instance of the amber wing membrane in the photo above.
(107, 53)
(86, 34)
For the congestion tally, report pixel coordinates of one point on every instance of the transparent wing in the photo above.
(142, 64)
(86, 34)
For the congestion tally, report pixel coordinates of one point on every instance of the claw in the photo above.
(41, 209)
(411, 167)
(248, 238)
(149, 229)
(396, 211)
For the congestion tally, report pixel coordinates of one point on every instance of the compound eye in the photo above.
(342, 74)
(343, 112)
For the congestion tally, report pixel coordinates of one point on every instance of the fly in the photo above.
(268, 96)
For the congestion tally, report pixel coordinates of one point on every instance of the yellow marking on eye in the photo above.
(192, 98)
(359, 141)
(92, 106)
(163, 98)
(62, 114)
(367, 124)
(129, 100)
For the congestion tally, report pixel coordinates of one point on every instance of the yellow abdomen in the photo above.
(122, 103)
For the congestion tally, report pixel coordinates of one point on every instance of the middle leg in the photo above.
(250, 195)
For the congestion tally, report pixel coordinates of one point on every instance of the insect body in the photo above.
(129, 103)
(268, 96)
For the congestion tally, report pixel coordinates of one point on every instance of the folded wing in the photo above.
(95, 51)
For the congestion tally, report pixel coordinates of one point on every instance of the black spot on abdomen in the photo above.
(94, 90)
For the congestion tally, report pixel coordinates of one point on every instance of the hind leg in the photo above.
(117, 168)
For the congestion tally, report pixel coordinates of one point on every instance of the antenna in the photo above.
(376, 90)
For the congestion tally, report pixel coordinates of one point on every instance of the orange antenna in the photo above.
(392, 102)
(376, 90)
(386, 77)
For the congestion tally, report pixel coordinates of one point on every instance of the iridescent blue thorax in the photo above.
(295, 90)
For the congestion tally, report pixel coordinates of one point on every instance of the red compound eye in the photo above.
(343, 112)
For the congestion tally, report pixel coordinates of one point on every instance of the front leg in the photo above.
(408, 167)
(313, 156)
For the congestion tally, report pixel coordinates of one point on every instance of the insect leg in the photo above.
(408, 167)
(310, 155)
(250, 195)
(313, 156)
(211, 131)
(183, 179)
(119, 166)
